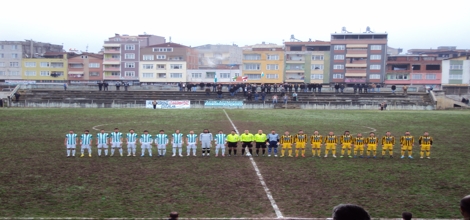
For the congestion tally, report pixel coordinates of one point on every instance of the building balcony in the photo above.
(111, 76)
(295, 70)
(297, 76)
(111, 45)
(356, 65)
(356, 55)
(112, 51)
(113, 69)
(111, 61)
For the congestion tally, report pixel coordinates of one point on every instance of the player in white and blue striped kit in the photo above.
(116, 141)
(191, 140)
(146, 141)
(102, 140)
(206, 141)
(161, 140)
(131, 138)
(85, 142)
(70, 142)
(177, 142)
(220, 141)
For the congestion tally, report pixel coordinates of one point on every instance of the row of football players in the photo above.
(350, 145)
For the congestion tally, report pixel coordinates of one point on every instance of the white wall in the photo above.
(445, 72)
(167, 70)
(211, 80)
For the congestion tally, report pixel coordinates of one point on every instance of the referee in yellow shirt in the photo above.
(330, 141)
(260, 139)
(388, 141)
(425, 142)
(407, 142)
(300, 140)
(346, 142)
(247, 140)
(232, 142)
(316, 140)
(286, 141)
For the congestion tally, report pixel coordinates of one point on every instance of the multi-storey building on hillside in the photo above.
(413, 70)
(307, 62)
(211, 55)
(263, 63)
(85, 68)
(49, 68)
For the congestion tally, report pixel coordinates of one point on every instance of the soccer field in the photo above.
(38, 180)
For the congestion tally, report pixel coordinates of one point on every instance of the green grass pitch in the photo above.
(37, 180)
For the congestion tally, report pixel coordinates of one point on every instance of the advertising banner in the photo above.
(169, 104)
(216, 103)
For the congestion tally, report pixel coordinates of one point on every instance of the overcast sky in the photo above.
(76, 24)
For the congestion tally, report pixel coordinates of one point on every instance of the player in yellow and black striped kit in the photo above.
(388, 141)
(286, 142)
(358, 143)
(330, 142)
(407, 142)
(316, 140)
(346, 141)
(300, 140)
(371, 143)
(425, 142)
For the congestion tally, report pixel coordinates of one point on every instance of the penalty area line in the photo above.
(261, 179)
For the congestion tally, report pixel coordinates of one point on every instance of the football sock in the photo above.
(390, 152)
(68, 152)
(243, 151)
(235, 152)
(283, 152)
(422, 153)
(82, 150)
(264, 151)
(409, 153)
(164, 151)
(208, 151)
(375, 153)
(342, 152)
(216, 151)
(180, 150)
(383, 152)
(133, 150)
(334, 151)
(368, 152)
(303, 151)
(349, 152)
(296, 152)
(223, 150)
(112, 150)
(73, 153)
(174, 150)
(402, 153)
(150, 151)
(99, 152)
(120, 150)
(290, 152)
(106, 152)
(229, 151)
(203, 150)
(428, 153)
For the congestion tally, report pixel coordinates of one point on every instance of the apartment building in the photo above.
(220, 73)
(307, 62)
(166, 63)
(456, 71)
(211, 55)
(85, 68)
(413, 70)
(358, 57)
(263, 63)
(49, 68)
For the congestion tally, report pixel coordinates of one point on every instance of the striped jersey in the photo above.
(300, 138)
(407, 140)
(71, 139)
(359, 141)
(316, 139)
(372, 140)
(131, 137)
(102, 138)
(427, 140)
(331, 139)
(191, 138)
(86, 139)
(346, 139)
(388, 140)
(286, 139)
(220, 138)
(177, 138)
(116, 137)
(161, 139)
(233, 138)
(146, 138)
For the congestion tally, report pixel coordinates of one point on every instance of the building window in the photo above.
(14, 47)
(196, 75)
(456, 67)
(16, 73)
(115, 74)
(375, 57)
(2, 55)
(337, 76)
(317, 57)
(14, 64)
(76, 65)
(84, 57)
(162, 49)
(44, 73)
(272, 76)
(94, 65)
(339, 47)
(117, 39)
(129, 55)
(115, 56)
(176, 75)
(2, 64)
(3, 73)
(316, 76)
(210, 75)
(14, 55)
(30, 73)
(253, 76)
(161, 75)
(338, 67)
(160, 66)
(416, 76)
(30, 64)
(338, 57)
(429, 58)
(252, 57)
(224, 75)
(176, 66)
(252, 66)
(397, 76)
(147, 66)
(376, 47)
(147, 57)
(374, 76)
(431, 76)
(272, 66)
(147, 75)
(44, 64)
(161, 57)
(1, 47)
(273, 57)
(129, 65)
(129, 73)
(94, 74)
(237, 74)
(175, 58)
(455, 76)
(129, 47)
(375, 67)
(317, 66)
(294, 67)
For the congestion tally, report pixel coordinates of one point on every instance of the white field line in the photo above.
(261, 179)
(96, 127)
(371, 129)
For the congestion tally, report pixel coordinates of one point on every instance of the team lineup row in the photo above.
(351, 145)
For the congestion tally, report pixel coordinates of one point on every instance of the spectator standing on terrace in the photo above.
(263, 96)
(219, 94)
(378, 87)
(373, 87)
(394, 87)
(214, 87)
(360, 87)
(285, 99)
(350, 212)
(275, 86)
(465, 207)
(208, 91)
(256, 96)
(319, 87)
(154, 103)
(405, 90)
(274, 99)
(65, 86)
(100, 86)
(296, 87)
(118, 84)
(355, 88)
(341, 87)
(105, 86)
(126, 85)
(406, 215)
(294, 96)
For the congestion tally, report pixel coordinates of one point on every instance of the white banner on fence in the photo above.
(169, 104)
